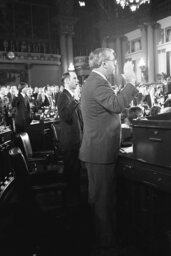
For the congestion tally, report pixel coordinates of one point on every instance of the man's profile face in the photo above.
(111, 64)
(73, 81)
(56, 88)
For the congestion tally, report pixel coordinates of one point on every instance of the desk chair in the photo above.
(58, 151)
(35, 160)
(44, 191)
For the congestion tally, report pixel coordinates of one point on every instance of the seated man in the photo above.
(155, 110)
(129, 114)
(134, 113)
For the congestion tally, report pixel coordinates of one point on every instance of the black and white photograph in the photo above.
(85, 127)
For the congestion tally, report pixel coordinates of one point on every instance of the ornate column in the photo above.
(66, 22)
(157, 38)
(66, 41)
(63, 52)
(70, 33)
(124, 41)
(144, 42)
(119, 59)
(150, 44)
(70, 50)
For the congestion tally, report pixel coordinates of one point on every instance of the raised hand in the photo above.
(129, 74)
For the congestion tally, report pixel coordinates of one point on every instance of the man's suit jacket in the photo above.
(41, 103)
(101, 110)
(23, 113)
(70, 135)
(56, 98)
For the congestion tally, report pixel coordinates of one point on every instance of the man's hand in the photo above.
(77, 94)
(129, 74)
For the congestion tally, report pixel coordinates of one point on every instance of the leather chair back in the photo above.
(18, 162)
(25, 144)
(56, 129)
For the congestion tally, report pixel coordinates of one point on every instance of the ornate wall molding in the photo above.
(31, 58)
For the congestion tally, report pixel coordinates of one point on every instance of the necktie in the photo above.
(79, 117)
(80, 121)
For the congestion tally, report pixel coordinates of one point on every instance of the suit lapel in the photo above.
(77, 110)
(69, 96)
(98, 76)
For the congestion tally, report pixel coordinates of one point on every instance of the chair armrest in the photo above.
(37, 159)
(43, 152)
(44, 177)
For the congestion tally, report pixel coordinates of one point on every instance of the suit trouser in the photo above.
(72, 172)
(20, 128)
(102, 199)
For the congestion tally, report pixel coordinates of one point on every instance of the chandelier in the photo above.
(133, 4)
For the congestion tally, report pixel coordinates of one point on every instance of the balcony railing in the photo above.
(31, 58)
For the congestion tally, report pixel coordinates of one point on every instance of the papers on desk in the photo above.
(34, 122)
(126, 150)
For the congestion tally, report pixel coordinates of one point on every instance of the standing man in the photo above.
(71, 133)
(101, 110)
(23, 112)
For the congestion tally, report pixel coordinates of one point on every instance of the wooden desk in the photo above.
(41, 136)
(144, 205)
(6, 170)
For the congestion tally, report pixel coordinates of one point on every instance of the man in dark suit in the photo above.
(101, 110)
(23, 113)
(71, 133)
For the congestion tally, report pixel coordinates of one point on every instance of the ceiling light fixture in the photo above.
(81, 3)
(133, 4)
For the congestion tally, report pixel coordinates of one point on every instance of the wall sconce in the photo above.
(71, 67)
(10, 55)
(143, 68)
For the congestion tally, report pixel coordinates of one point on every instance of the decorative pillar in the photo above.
(70, 50)
(157, 37)
(144, 42)
(70, 56)
(63, 52)
(150, 44)
(119, 59)
(124, 49)
(66, 41)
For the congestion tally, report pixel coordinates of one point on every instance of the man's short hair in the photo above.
(134, 113)
(22, 85)
(99, 55)
(155, 110)
(65, 76)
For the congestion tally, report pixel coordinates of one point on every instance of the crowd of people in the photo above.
(16, 101)
(152, 99)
